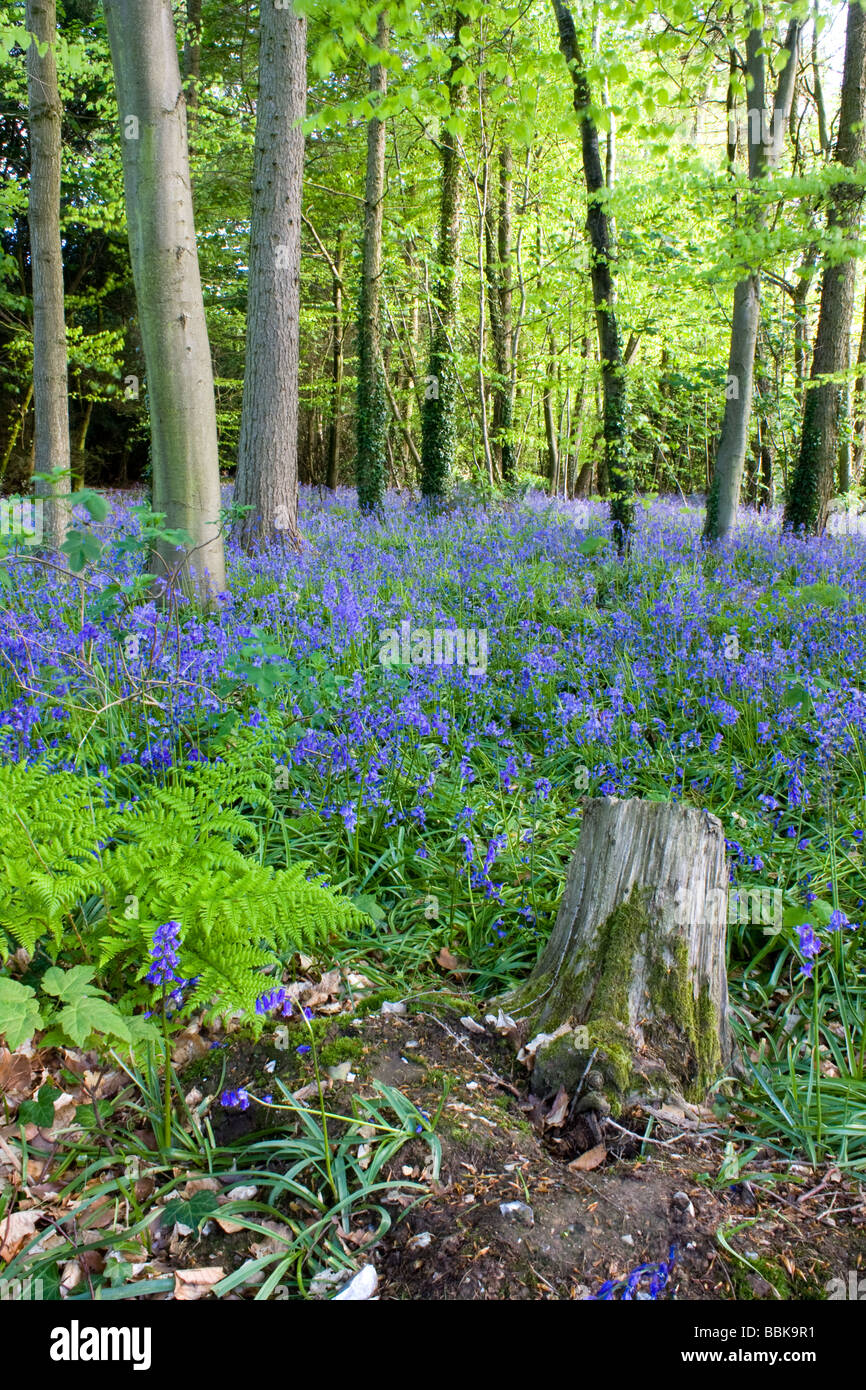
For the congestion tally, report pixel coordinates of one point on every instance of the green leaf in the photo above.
(39, 1112)
(817, 914)
(69, 985)
(795, 695)
(94, 502)
(81, 548)
(190, 1211)
(367, 904)
(592, 545)
(88, 1014)
(19, 1012)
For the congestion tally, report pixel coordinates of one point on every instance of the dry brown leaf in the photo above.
(593, 1158)
(200, 1185)
(16, 1077)
(64, 1115)
(446, 961)
(71, 1275)
(100, 1215)
(230, 1227)
(190, 1284)
(16, 1229)
(188, 1047)
(103, 1085)
(312, 1089)
(274, 1244)
(144, 1188)
(555, 1118)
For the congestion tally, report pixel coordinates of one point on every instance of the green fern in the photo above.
(50, 831)
(176, 854)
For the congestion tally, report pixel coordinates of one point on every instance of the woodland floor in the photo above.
(588, 1212)
(779, 1232)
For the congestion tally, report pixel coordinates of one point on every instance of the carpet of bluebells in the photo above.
(447, 802)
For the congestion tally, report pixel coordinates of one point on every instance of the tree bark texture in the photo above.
(635, 966)
(50, 381)
(370, 459)
(164, 254)
(267, 476)
(813, 484)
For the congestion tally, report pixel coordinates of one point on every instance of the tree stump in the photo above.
(633, 979)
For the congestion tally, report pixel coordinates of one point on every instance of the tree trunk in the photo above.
(549, 421)
(599, 229)
(860, 406)
(372, 407)
(50, 386)
(334, 426)
(267, 476)
(497, 237)
(814, 476)
(439, 412)
(180, 390)
(764, 155)
(78, 450)
(192, 52)
(636, 962)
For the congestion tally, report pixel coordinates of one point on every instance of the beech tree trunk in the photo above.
(439, 411)
(813, 484)
(635, 967)
(497, 239)
(372, 408)
(603, 274)
(764, 147)
(335, 423)
(860, 407)
(164, 255)
(267, 476)
(192, 52)
(50, 385)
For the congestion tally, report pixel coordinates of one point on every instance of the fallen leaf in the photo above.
(190, 1284)
(188, 1047)
(274, 1244)
(446, 961)
(471, 1026)
(555, 1118)
(528, 1051)
(15, 1231)
(593, 1158)
(103, 1085)
(16, 1077)
(200, 1185)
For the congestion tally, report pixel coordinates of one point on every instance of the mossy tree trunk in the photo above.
(370, 460)
(636, 961)
(600, 230)
(497, 238)
(439, 411)
(335, 422)
(814, 480)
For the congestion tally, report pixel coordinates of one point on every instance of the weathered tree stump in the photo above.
(635, 965)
